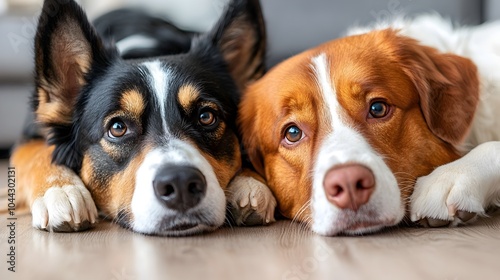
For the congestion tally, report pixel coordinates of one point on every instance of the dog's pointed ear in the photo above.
(448, 86)
(66, 47)
(240, 35)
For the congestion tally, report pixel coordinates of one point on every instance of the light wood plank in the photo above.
(280, 251)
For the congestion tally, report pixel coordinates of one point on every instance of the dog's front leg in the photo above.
(250, 201)
(57, 197)
(457, 192)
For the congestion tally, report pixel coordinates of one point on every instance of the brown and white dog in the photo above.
(150, 142)
(341, 132)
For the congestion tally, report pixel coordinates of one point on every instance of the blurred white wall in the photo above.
(3, 6)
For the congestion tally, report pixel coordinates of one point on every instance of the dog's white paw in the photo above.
(449, 196)
(65, 208)
(251, 202)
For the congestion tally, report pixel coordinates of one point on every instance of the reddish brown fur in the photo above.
(262, 119)
(416, 81)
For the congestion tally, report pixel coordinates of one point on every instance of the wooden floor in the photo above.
(280, 251)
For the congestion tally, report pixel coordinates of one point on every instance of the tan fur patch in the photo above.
(112, 194)
(110, 149)
(122, 185)
(96, 185)
(35, 171)
(51, 112)
(133, 103)
(187, 95)
(225, 170)
(219, 133)
(87, 171)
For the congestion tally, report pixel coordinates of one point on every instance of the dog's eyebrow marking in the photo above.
(323, 79)
(158, 78)
(187, 95)
(133, 102)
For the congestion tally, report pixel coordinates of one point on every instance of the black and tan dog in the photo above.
(151, 143)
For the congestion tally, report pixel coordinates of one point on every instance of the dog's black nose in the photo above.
(180, 187)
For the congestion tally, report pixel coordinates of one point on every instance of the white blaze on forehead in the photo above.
(327, 89)
(158, 78)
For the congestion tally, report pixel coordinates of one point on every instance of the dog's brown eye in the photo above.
(293, 134)
(207, 118)
(117, 129)
(379, 109)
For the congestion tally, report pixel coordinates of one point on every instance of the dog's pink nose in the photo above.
(349, 186)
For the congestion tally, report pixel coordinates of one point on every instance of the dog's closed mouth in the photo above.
(353, 225)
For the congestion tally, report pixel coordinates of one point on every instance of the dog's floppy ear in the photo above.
(249, 123)
(240, 35)
(448, 86)
(66, 47)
